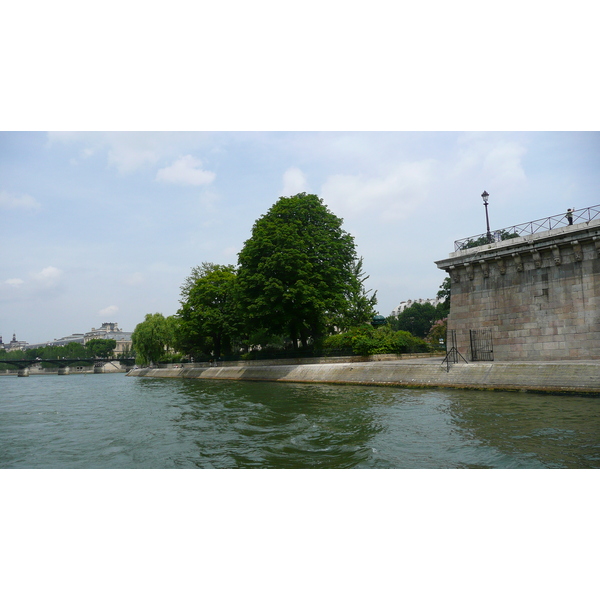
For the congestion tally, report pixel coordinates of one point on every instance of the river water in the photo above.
(110, 421)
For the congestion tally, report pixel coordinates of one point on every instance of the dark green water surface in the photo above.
(112, 421)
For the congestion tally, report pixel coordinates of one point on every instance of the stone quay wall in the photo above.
(557, 377)
(539, 295)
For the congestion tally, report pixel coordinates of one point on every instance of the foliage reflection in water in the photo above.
(112, 421)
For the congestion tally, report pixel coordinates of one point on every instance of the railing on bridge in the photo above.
(578, 216)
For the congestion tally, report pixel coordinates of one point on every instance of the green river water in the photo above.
(110, 421)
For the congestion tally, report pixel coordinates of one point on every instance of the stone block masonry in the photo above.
(566, 377)
(539, 295)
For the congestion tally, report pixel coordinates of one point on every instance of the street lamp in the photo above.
(485, 197)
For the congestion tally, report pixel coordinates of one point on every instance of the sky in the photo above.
(133, 149)
(106, 226)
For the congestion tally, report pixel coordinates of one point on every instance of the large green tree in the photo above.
(208, 319)
(296, 271)
(152, 338)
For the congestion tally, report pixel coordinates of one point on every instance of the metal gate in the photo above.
(481, 344)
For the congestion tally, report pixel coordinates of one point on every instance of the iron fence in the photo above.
(546, 224)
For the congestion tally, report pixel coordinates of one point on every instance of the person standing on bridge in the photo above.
(569, 215)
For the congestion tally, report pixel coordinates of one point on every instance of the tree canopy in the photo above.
(70, 350)
(101, 347)
(418, 318)
(297, 272)
(209, 316)
(360, 301)
(298, 278)
(444, 295)
(152, 337)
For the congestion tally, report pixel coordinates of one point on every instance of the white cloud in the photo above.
(14, 201)
(14, 282)
(109, 311)
(391, 196)
(129, 151)
(294, 182)
(48, 277)
(185, 171)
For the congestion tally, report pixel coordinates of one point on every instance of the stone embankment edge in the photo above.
(581, 378)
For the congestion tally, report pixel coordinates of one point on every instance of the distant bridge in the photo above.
(24, 364)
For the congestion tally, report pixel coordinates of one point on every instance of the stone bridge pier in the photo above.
(537, 295)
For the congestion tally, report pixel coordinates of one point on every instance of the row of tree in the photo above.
(298, 282)
(99, 348)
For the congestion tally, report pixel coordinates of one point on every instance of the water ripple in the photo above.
(112, 421)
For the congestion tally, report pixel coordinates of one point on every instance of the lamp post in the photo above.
(485, 197)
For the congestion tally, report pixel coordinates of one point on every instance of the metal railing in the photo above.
(578, 216)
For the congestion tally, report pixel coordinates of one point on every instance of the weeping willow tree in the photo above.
(152, 338)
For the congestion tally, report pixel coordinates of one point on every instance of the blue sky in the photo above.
(106, 226)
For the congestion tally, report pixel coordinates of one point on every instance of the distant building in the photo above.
(102, 332)
(108, 331)
(111, 331)
(14, 344)
(408, 303)
(63, 341)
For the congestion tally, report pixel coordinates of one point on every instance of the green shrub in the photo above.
(366, 340)
(172, 357)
